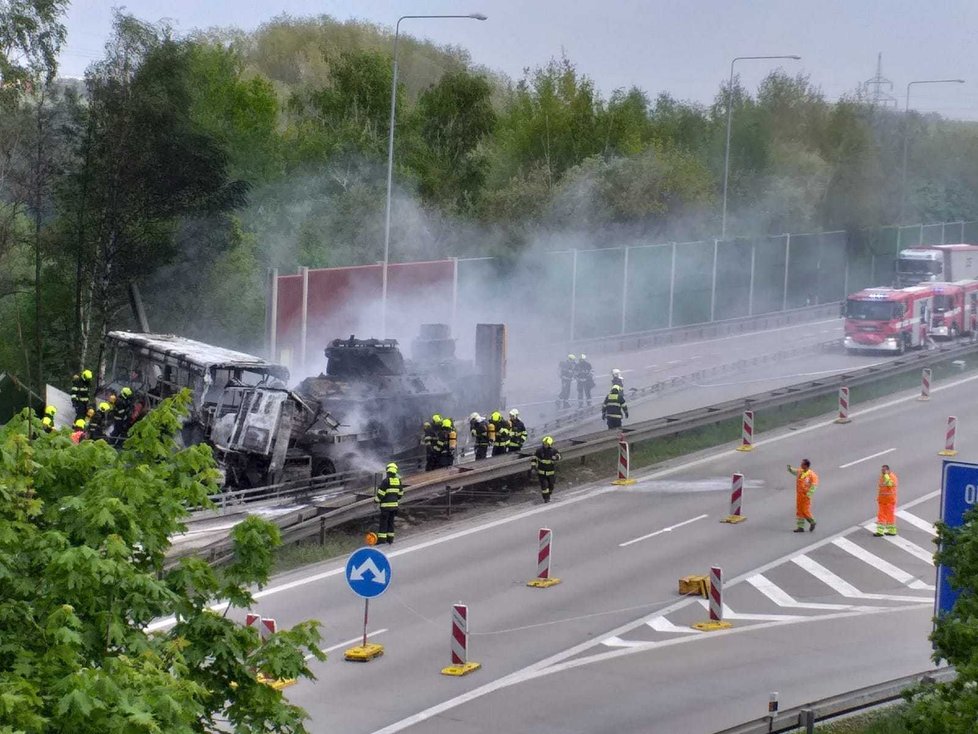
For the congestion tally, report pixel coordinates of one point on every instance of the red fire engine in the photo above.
(887, 319)
(955, 309)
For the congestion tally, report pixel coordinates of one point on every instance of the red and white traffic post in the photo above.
(715, 603)
(843, 406)
(747, 432)
(949, 437)
(623, 462)
(544, 556)
(460, 643)
(925, 384)
(736, 499)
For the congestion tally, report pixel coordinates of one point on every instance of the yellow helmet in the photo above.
(446, 423)
(548, 441)
(80, 424)
(126, 392)
(436, 419)
(86, 374)
(50, 411)
(616, 388)
(496, 416)
(104, 407)
(392, 468)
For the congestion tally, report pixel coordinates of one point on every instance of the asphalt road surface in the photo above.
(610, 648)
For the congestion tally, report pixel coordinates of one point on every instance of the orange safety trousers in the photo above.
(886, 508)
(803, 505)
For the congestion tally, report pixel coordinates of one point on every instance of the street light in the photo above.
(906, 136)
(390, 158)
(726, 154)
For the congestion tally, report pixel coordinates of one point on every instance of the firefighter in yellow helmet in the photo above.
(98, 424)
(47, 422)
(446, 441)
(388, 496)
(82, 390)
(503, 431)
(614, 407)
(545, 463)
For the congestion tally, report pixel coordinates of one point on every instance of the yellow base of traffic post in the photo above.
(734, 519)
(947, 452)
(364, 653)
(693, 585)
(463, 669)
(745, 448)
(711, 626)
(542, 583)
(277, 683)
(623, 481)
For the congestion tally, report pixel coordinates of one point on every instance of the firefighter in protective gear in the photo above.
(585, 380)
(445, 442)
(568, 370)
(886, 499)
(616, 378)
(502, 432)
(806, 482)
(78, 433)
(389, 494)
(614, 407)
(517, 431)
(545, 463)
(429, 434)
(98, 423)
(82, 390)
(47, 422)
(479, 429)
(122, 412)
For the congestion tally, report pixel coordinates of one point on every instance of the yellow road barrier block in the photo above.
(463, 669)
(542, 583)
(694, 585)
(711, 626)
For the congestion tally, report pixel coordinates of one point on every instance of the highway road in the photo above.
(610, 648)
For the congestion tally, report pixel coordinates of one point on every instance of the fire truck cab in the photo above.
(887, 319)
(955, 309)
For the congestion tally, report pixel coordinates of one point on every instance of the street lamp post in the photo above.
(906, 136)
(726, 154)
(390, 159)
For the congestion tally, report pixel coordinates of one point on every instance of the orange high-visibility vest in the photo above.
(888, 485)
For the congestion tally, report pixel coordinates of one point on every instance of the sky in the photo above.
(682, 47)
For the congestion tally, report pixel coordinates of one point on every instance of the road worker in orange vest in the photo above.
(886, 498)
(806, 482)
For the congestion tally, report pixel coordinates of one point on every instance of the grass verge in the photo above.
(887, 720)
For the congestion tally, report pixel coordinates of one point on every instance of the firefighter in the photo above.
(479, 428)
(585, 380)
(47, 422)
(445, 443)
(428, 436)
(78, 433)
(98, 422)
(81, 392)
(806, 482)
(389, 494)
(568, 369)
(502, 433)
(545, 463)
(886, 498)
(517, 431)
(616, 378)
(122, 412)
(614, 407)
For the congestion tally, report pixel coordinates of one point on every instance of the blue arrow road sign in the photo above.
(368, 572)
(959, 491)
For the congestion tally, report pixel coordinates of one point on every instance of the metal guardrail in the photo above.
(255, 497)
(310, 521)
(805, 717)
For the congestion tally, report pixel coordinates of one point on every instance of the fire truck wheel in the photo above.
(903, 344)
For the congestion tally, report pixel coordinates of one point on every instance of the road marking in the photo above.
(664, 530)
(780, 597)
(729, 613)
(903, 544)
(866, 458)
(843, 587)
(619, 642)
(879, 564)
(917, 522)
(338, 645)
(661, 624)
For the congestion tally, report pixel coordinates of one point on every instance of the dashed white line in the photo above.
(903, 544)
(664, 530)
(842, 586)
(883, 566)
(917, 522)
(729, 613)
(661, 624)
(866, 458)
(780, 597)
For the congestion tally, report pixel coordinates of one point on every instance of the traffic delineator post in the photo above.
(949, 437)
(544, 556)
(623, 462)
(715, 604)
(461, 665)
(925, 375)
(736, 500)
(267, 627)
(843, 406)
(747, 432)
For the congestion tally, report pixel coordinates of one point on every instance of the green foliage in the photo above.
(94, 524)
(31, 34)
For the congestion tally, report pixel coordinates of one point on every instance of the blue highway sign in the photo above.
(368, 572)
(959, 492)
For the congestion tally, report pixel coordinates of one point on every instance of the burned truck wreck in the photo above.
(363, 410)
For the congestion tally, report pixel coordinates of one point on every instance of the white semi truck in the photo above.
(936, 264)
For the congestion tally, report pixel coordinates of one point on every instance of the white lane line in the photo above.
(903, 544)
(783, 599)
(664, 530)
(661, 624)
(619, 642)
(843, 587)
(917, 522)
(879, 564)
(338, 645)
(866, 458)
(729, 613)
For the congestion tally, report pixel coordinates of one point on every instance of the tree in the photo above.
(31, 34)
(94, 523)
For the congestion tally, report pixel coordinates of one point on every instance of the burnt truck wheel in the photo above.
(323, 468)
